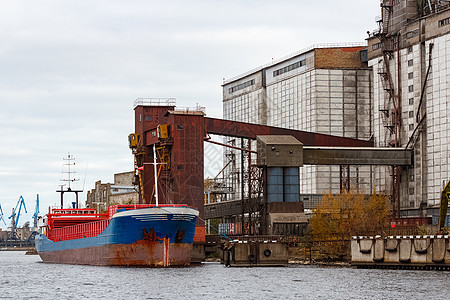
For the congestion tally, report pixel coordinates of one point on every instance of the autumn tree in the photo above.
(338, 217)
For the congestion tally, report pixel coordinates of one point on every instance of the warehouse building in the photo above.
(323, 89)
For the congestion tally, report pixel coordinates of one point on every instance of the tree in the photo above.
(338, 217)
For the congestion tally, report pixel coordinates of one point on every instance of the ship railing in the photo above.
(113, 209)
(79, 231)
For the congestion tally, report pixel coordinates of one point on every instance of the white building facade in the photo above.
(324, 89)
(415, 51)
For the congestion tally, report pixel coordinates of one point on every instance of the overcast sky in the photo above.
(70, 71)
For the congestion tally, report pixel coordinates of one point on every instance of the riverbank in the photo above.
(14, 248)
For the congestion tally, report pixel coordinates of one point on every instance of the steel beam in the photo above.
(250, 131)
(357, 156)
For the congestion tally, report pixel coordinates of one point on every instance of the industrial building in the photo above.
(122, 191)
(391, 90)
(323, 89)
(410, 62)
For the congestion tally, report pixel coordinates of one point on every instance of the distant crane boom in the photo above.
(1, 215)
(36, 212)
(15, 220)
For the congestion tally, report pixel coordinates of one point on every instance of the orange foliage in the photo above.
(341, 216)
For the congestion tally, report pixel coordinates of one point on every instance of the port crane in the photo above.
(36, 212)
(15, 217)
(1, 215)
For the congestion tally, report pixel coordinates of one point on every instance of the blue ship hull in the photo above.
(158, 236)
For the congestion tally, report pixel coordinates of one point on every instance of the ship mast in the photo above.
(156, 174)
(69, 162)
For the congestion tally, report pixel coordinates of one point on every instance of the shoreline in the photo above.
(17, 248)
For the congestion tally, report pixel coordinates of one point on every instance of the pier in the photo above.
(401, 252)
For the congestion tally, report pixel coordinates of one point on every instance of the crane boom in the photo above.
(36, 212)
(1, 215)
(444, 206)
(13, 215)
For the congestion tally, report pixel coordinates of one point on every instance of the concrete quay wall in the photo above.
(254, 254)
(427, 252)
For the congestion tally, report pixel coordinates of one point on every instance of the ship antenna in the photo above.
(85, 173)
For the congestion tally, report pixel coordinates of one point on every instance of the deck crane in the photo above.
(36, 212)
(444, 207)
(15, 217)
(1, 215)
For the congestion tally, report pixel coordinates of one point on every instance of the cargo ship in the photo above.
(128, 235)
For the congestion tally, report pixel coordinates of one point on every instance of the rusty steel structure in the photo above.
(391, 44)
(178, 135)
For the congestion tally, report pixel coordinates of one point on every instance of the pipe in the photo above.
(415, 129)
(424, 82)
(156, 174)
(398, 119)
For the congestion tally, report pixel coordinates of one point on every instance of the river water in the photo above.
(26, 277)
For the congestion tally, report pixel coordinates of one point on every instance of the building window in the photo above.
(410, 49)
(241, 86)
(289, 68)
(411, 191)
(411, 88)
(377, 46)
(412, 34)
(411, 101)
(411, 114)
(410, 75)
(179, 127)
(410, 63)
(148, 118)
(444, 22)
(411, 127)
